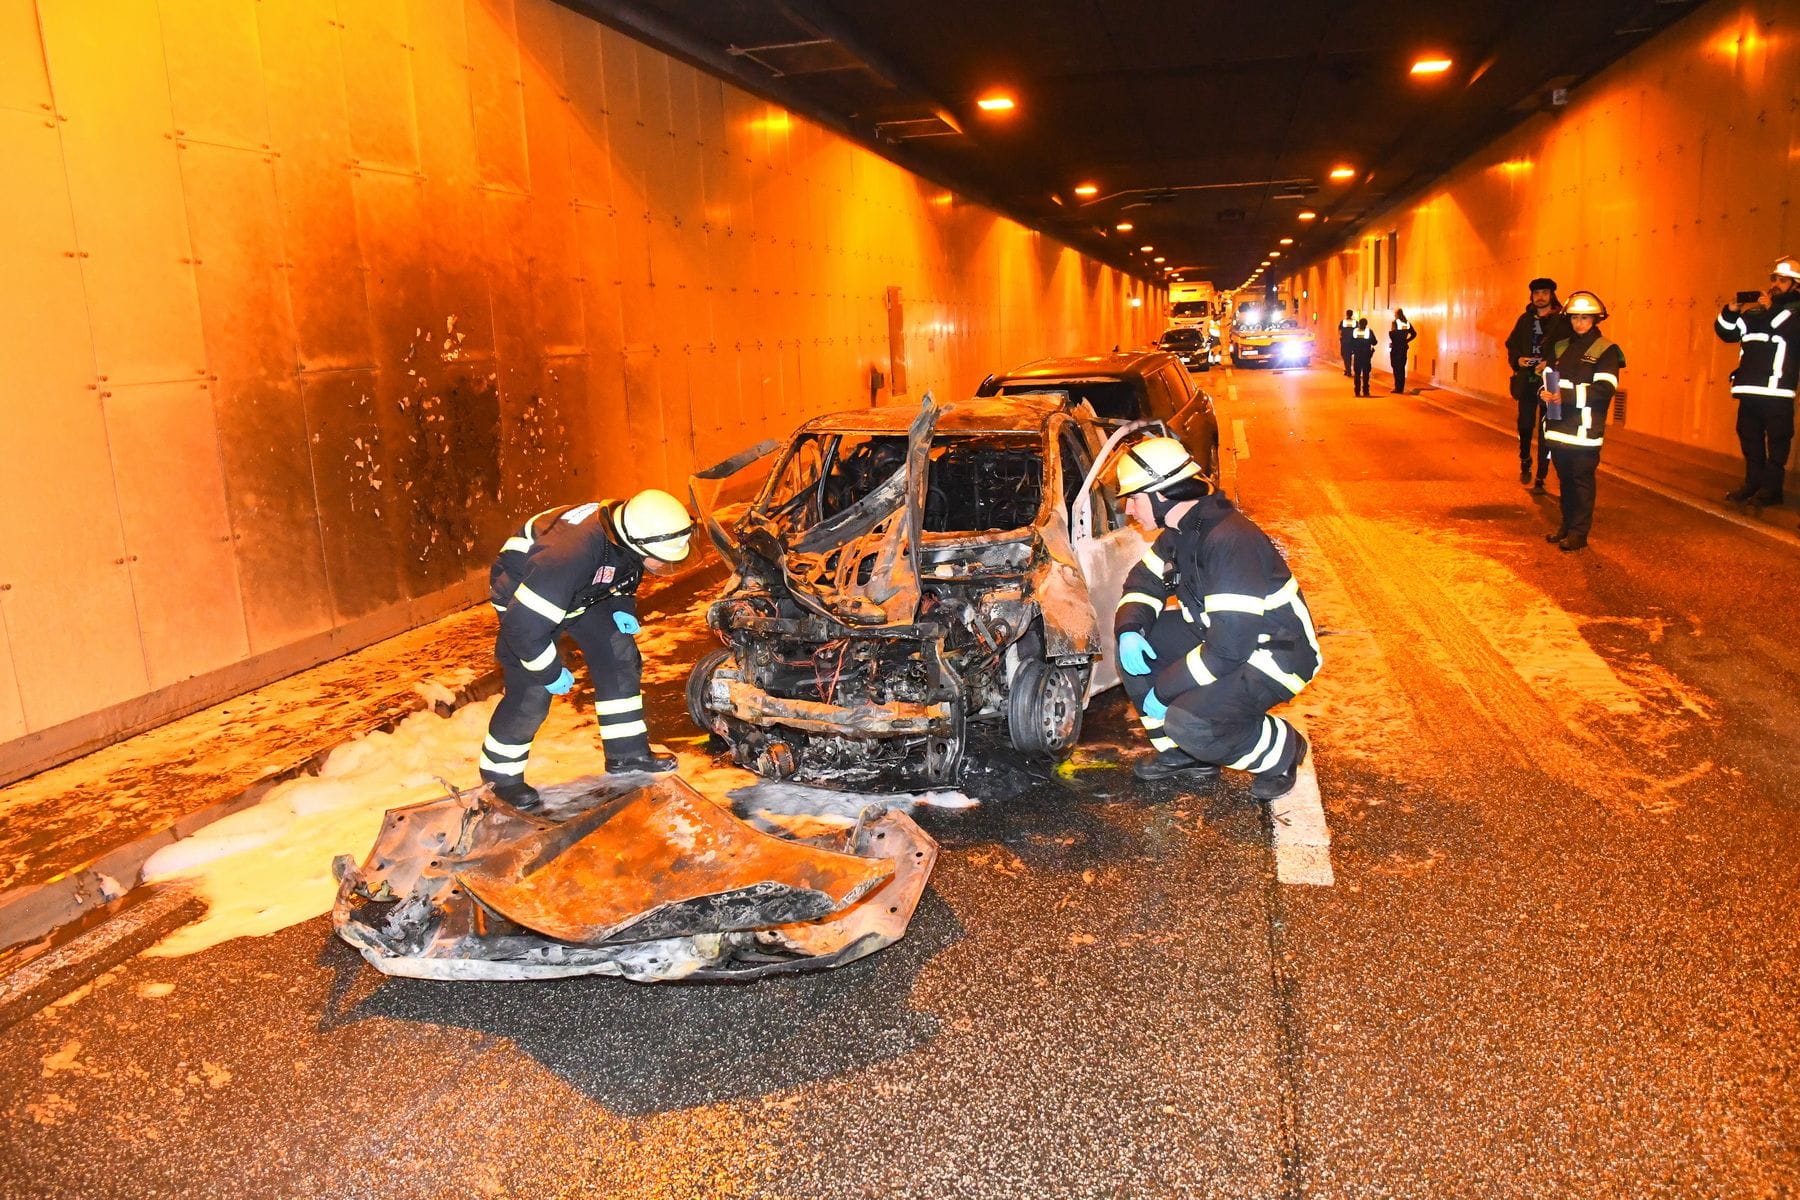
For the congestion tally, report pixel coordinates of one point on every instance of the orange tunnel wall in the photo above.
(310, 301)
(1666, 185)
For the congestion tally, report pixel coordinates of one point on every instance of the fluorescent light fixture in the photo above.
(1309, 216)
(1274, 254)
(1287, 241)
(1146, 249)
(1124, 227)
(1159, 258)
(995, 102)
(1431, 66)
(1343, 172)
(1086, 189)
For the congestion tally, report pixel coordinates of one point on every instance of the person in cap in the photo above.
(1238, 639)
(576, 570)
(1401, 336)
(1362, 355)
(1586, 376)
(1346, 330)
(1539, 327)
(1764, 381)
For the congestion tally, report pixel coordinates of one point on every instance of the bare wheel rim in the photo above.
(1059, 713)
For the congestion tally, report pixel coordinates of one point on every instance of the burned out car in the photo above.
(904, 574)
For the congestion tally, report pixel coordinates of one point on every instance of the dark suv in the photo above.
(1140, 385)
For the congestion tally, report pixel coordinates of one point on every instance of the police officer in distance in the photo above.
(1346, 328)
(1362, 355)
(1764, 381)
(1238, 641)
(576, 570)
(1587, 370)
(1539, 327)
(1401, 336)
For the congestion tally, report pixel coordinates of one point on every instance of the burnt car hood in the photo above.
(859, 566)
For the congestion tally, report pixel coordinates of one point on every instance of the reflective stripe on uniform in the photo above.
(1234, 602)
(607, 708)
(1779, 317)
(1162, 744)
(1139, 598)
(1155, 563)
(1573, 439)
(1268, 733)
(499, 608)
(1265, 662)
(517, 543)
(609, 732)
(1762, 391)
(1151, 722)
(502, 768)
(506, 749)
(539, 605)
(541, 661)
(1608, 376)
(1197, 668)
(1279, 747)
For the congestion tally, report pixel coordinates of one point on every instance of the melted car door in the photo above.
(1105, 541)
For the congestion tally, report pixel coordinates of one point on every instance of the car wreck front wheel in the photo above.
(699, 680)
(1044, 710)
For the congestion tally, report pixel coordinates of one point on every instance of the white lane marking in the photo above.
(1631, 477)
(1302, 838)
(1240, 441)
(1231, 390)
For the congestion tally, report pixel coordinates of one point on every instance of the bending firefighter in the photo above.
(1204, 673)
(576, 570)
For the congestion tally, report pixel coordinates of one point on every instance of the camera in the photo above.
(1748, 297)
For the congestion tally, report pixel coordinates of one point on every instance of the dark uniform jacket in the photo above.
(563, 562)
(1533, 338)
(1401, 337)
(1362, 346)
(1768, 356)
(1232, 584)
(1590, 368)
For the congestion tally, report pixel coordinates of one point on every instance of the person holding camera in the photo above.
(1763, 326)
(1539, 327)
(1579, 379)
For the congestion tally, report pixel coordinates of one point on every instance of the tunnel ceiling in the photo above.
(1208, 126)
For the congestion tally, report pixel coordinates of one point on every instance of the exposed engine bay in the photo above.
(893, 585)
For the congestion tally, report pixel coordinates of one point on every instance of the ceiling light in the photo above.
(1123, 227)
(1309, 216)
(1287, 241)
(1263, 263)
(1158, 258)
(1086, 189)
(1274, 254)
(1146, 249)
(1431, 66)
(1343, 172)
(995, 102)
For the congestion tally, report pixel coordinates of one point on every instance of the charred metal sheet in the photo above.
(409, 912)
(663, 862)
(748, 703)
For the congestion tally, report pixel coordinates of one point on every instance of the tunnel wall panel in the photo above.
(320, 299)
(1667, 184)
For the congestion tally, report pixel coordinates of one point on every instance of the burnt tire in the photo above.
(698, 680)
(1044, 709)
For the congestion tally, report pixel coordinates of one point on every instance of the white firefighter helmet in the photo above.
(1584, 304)
(1154, 464)
(1786, 267)
(655, 525)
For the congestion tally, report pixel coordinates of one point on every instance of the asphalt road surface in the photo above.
(1558, 959)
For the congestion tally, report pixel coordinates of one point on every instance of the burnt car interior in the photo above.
(1112, 399)
(975, 484)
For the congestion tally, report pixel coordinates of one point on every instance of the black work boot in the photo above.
(519, 794)
(1174, 764)
(1274, 787)
(651, 763)
(1537, 486)
(1767, 499)
(1556, 537)
(1741, 495)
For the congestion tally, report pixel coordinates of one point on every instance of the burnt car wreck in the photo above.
(902, 575)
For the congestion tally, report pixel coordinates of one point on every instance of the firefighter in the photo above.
(1362, 355)
(1587, 374)
(576, 570)
(1203, 673)
(1539, 327)
(1346, 328)
(1764, 381)
(1401, 336)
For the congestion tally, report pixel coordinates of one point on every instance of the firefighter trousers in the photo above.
(616, 669)
(1765, 429)
(1575, 470)
(1225, 723)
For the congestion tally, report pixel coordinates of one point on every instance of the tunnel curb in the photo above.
(35, 913)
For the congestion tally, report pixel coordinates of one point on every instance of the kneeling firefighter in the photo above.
(576, 570)
(1240, 640)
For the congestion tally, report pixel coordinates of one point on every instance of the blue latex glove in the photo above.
(1135, 653)
(562, 684)
(1152, 707)
(625, 621)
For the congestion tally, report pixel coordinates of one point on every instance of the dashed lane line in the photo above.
(1240, 440)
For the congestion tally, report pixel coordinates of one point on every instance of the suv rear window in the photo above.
(1113, 399)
